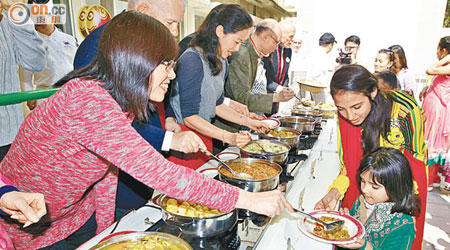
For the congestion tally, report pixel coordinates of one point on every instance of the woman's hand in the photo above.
(31, 104)
(27, 208)
(355, 245)
(186, 142)
(240, 108)
(257, 125)
(344, 211)
(255, 116)
(284, 95)
(172, 125)
(239, 139)
(269, 203)
(329, 201)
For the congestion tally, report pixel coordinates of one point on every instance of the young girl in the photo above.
(387, 201)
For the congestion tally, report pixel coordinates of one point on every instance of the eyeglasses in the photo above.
(169, 64)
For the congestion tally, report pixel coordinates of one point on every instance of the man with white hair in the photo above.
(247, 81)
(277, 64)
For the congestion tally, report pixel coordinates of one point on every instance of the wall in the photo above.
(414, 24)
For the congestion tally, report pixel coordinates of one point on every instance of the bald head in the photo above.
(266, 36)
(288, 33)
(168, 12)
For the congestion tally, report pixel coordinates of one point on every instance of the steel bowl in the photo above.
(315, 114)
(117, 240)
(299, 123)
(280, 158)
(292, 141)
(198, 226)
(252, 185)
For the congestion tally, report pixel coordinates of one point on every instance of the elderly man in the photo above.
(246, 81)
(277, 64)
(131, 193)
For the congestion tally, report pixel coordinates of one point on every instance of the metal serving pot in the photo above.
(292, 141)
(198, 226)
(280, 158)
(308, 113)
(252, 185)
(114, 241)
(299, 123)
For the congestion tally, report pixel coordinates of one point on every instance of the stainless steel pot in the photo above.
(198, 226)
(292, 141)
(317, 115)
(128, 237)
(280, 158)
(298, 123)
(252, 185)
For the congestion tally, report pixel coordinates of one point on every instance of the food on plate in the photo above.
(148, 243)
(269, 147)
(313, 105)
(189, 208)
(341, 234)
(282, 133)
(258, 170)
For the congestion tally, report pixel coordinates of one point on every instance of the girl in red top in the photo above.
(71, 146)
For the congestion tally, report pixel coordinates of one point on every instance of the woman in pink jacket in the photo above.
(82, 134)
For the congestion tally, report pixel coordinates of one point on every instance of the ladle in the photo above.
(328, 227)
(239, 175)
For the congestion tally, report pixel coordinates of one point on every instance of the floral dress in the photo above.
(384, 230)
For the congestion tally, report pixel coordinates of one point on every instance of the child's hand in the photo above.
(355, 245)
(344, 211)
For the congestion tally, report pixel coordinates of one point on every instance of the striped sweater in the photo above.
(78, 137)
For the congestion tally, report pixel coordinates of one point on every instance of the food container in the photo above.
(308, 113)
(198, 226)
(261, 185)
(118, 240)
(280, 157)
(299, 123)
(291, 141)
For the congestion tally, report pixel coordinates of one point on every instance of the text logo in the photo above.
(20, 13)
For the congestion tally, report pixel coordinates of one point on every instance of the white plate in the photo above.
(272, 122)
(211, 172)
(224, 156)
(354, 227)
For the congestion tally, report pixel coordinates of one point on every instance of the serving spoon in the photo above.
(328, 227)
(239, 175)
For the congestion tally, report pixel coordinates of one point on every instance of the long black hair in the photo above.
(390, 168)
(358, 79)
(402, 62)
(233, 18)
(444, 43)
(131, 46)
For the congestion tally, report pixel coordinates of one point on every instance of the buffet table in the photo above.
(312, 178)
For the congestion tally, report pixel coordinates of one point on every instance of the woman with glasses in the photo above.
(436, 105)
(369, 118)
(405, 77)
(198, 94)
(384, 60)
(82, 135)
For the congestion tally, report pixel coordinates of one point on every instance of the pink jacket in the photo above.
(78, 137)
(5, 241)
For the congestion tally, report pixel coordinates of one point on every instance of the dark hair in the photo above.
(130, 48)
(358, 79)
(444, 43)
(389, 78)
(390, 168)
(353, 39)
(403, 64)
(233, 18)
(390, 55)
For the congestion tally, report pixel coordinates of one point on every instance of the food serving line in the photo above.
(311, 180)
